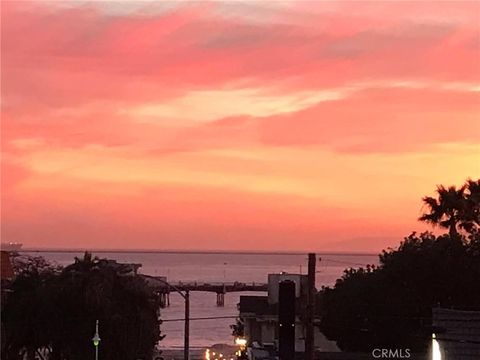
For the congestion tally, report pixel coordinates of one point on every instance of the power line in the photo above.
(345, 262)
(203, 318)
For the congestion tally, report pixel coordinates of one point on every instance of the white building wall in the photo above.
(274, 281)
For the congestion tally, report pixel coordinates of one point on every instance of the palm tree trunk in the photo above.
(453, 229)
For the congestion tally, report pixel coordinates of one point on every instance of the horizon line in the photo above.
(196, 251)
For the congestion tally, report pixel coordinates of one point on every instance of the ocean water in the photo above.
(218, 267)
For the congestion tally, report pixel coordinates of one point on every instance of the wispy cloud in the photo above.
(264, 118)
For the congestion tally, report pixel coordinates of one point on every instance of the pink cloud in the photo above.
(380, 120)
(73, 75)
(78, 54)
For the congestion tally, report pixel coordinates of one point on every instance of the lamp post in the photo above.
(186, 338)
(185, 294)
(96, 340)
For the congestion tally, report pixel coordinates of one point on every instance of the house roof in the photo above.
(259, 306)
(459, 337)
(6, 272)
(256, 305)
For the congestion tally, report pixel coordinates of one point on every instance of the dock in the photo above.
(163, 288)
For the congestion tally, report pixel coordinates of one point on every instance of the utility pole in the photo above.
(96, 340)
(186, 349)
(310, 315)
(185, 294)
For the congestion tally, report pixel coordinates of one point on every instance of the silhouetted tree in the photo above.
(454, 208)
(447, 210)
(27, 264)
(57, 311)
(471, 217)
(390, 306)
(238, 329)
(29, 309)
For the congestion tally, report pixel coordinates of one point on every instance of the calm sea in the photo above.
(217, 267)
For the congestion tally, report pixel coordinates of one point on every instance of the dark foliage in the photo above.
(390, 306)
(238, 329)
(455, 209)
(55, 312)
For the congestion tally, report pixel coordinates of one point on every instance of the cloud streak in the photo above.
(247, 120)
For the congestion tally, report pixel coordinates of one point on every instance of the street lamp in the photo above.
(186, 296)
(96, 340)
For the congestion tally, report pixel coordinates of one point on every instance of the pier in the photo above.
(162, 289)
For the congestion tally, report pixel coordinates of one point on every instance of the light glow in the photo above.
(242, 342)
(436, 353)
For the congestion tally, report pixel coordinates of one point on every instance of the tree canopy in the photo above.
(454, 208)
(53, 311)
(390, 305)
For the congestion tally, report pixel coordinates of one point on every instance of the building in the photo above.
(458, 333)
(126, 269)
(259, 315)
(6, 271)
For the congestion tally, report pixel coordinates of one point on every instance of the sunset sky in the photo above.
(233, 125)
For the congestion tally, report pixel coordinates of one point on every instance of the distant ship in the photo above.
(11, 246)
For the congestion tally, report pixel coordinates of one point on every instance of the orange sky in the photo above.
(233, 125)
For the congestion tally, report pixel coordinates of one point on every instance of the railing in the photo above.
(222, 287)
(218, 287)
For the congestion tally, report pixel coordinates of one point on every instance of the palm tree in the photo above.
(448, 210)
(471, 222)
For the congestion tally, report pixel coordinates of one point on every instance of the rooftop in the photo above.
(257, 305)
(460, 335)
